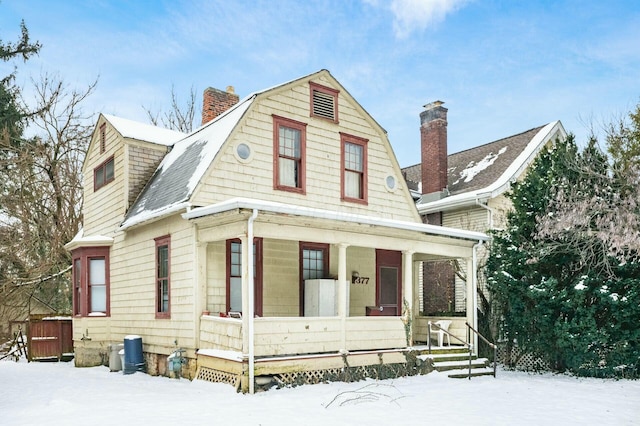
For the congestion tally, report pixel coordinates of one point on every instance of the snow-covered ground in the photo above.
(60, 394)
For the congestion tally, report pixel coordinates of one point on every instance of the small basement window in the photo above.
(324, 102)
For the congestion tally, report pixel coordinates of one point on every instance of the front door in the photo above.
(389, 282)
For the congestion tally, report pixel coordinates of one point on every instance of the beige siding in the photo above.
(104, 209)
(362, 260)
(322, 159)
(281, 278)
(216, 277)
(472, 219)
(133, 291)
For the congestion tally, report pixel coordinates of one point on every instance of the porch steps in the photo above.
(456, 362)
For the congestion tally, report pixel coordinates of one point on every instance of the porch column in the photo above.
(245, 294)
(200, 282)
(472, 297)
(409, 316)
(343, 292)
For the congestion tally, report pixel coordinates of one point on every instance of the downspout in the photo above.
(474, 283)
(251, 296)
(489, 209)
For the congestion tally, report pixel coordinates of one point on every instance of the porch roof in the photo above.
(290, 209)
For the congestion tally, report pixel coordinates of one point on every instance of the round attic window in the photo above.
(390, 183)
(243, 151)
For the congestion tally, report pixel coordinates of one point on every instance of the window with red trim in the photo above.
(354, 168)
(163, 274)
(324, 102)
(234, 275)
(314, 263)
(103, 174)
(289, 140)
(91, 281)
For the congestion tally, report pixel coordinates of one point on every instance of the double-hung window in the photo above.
(91, 281)
(314, 263)
(354, 169)
(235, 272)
(163, 273)
(289, 139)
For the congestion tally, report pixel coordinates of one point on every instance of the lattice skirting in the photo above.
(217, 376)
(345, 374)
(521, 360)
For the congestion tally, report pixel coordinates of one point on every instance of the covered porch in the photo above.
(322, 288)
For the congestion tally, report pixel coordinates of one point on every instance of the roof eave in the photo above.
(273, 207)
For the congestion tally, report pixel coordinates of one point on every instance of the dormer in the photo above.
(121, 158)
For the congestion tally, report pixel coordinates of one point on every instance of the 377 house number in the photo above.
(361, 280)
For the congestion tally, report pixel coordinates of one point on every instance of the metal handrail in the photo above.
(484, 339)
(468, 344)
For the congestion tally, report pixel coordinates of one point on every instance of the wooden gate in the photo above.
(50, 338)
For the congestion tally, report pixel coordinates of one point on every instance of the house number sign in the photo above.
(360, 280)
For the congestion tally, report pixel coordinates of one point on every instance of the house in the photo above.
(466, 190)
(278, 241)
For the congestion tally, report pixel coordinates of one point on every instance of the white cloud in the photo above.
(411, 15)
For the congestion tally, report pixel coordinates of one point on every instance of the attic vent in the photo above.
(323, 105)
(324, 102)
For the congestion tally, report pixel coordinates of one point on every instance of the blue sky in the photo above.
(502, 67)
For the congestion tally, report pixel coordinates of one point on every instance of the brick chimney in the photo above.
(215, 102)
(433, 141)
(433, 144)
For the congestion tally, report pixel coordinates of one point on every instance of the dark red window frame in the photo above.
(163, 276)
(82, 289)
(304, 245)
(101, 170)
(355, 140)
(278, 123)
(327, 91)
(257, 279)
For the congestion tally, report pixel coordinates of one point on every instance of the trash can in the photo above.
(115, 363)
(133, 357)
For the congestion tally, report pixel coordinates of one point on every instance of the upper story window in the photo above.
(91, 281)
(289, 140)
(163, 287)
(103, 138)
(324, 102)
(354, 169)
(103, 174)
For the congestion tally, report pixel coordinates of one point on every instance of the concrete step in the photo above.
(460, 365)
(449, 356)
(475, 372)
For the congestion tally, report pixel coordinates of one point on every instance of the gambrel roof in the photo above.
(486, 171)
(174, 182)
(182, 168)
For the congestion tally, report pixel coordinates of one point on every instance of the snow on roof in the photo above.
(474, 168)
(496, 181)
(144, 132)
(183, 167)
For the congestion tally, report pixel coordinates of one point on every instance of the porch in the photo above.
(257, 302)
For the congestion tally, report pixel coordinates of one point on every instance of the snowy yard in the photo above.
(60, 394)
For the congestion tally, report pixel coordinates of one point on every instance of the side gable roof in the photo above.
(486, 171)
(143, 132)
